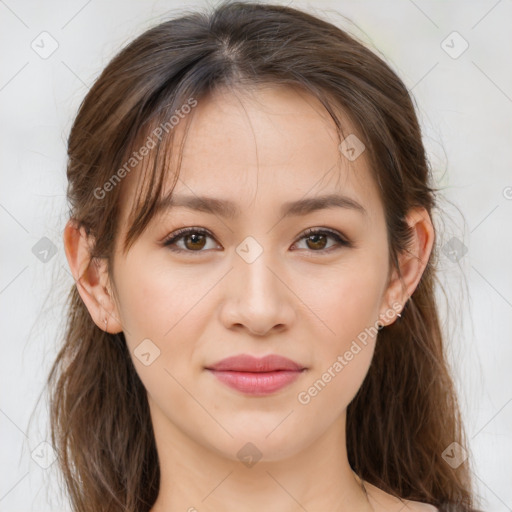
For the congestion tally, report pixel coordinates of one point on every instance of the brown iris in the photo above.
(317, 239)
(198, 241)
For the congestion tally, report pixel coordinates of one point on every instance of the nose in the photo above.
(257, 297)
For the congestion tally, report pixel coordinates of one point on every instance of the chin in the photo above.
(251, 445)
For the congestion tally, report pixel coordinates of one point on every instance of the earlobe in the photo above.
(413, 261)
(91, 278)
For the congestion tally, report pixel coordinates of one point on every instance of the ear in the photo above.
(412, 264)
(91, 278)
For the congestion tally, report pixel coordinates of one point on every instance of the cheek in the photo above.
(343, 300)
(346, 305)
(345, 341)
(156, 301)
(167, 308)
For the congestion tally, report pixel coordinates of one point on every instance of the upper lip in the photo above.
(248, 363)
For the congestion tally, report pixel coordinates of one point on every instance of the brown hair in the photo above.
(406, 413)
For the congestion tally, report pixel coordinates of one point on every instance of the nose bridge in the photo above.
(257, 298)
(252, 268)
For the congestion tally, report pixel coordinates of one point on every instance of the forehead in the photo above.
(272, 144)
(279, 135)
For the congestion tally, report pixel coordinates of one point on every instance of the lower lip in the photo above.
(262, 383)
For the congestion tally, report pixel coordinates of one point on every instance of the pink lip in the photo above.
(256, 376)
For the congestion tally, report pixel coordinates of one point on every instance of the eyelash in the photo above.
(181, 233)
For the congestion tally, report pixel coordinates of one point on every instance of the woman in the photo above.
(254, 325)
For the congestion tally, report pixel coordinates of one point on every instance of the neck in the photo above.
(195, 478)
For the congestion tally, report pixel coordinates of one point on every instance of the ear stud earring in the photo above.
(381, 326)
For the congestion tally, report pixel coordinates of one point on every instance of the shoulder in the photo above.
(384, 502)
(418, 506)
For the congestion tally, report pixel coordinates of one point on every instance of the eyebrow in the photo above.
(229, 209)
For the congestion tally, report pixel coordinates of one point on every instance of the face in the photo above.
(255, 279)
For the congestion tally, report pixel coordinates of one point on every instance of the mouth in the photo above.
(257, 376)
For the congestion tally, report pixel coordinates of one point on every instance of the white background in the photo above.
(465, 107)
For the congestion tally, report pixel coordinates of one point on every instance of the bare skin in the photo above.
(296, 299)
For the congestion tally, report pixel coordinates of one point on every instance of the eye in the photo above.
(316, 239)
(194, 240)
